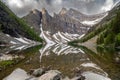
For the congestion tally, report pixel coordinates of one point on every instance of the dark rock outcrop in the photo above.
(34, 20)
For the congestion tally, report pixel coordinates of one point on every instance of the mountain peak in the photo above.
(63, 11)
(71, 10)
(44, 11)
(35, 11)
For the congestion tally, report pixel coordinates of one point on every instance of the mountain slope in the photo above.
(108, 30)
(34, 20)
(14, 26)
(69, 21)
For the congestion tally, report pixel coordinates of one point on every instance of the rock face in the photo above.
(61, 23)
(34, 20)
(82, 17)
(67, 21)
(14, 26)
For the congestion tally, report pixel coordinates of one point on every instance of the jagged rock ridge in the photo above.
(69, 21)
(34, 20)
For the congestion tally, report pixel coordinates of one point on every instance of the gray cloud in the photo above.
(22, 7)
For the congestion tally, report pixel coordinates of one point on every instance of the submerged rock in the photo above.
(51, 75)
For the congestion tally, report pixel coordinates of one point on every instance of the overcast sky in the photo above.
(23, 7)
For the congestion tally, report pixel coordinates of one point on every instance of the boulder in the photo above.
(17, 74)
(51, 75)
(38, 72)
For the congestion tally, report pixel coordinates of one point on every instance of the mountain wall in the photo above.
(14, 26)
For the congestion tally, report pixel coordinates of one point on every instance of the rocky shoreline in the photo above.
(40, 74)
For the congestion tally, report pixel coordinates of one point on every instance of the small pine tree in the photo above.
(110, 39)
(100, 40)
(117, 40)
(116, 24)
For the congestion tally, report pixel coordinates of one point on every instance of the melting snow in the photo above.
(20, 48)
(81, 36)
(90, 65)
(64, 38)
(91, 23)
(59, 37)
(48, 41)
(7, 35)
(12, 42)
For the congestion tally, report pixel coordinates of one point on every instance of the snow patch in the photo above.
(7, 35)
(90, 65)
(59, 37)
(48, 41)
(81, 36)
(20, 48)
(91, 23)
(62, 37)
(12, 42)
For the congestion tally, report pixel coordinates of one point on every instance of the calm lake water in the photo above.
(99, 64)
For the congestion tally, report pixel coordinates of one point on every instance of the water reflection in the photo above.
(68, 60)
(58, 49)
(107, 58)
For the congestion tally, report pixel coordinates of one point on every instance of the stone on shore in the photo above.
(51, 75)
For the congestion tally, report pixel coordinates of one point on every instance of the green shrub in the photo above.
(117, 40)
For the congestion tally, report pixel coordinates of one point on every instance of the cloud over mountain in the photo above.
(22, 7)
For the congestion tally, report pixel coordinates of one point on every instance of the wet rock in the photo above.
(51, 75)
(38, 72)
